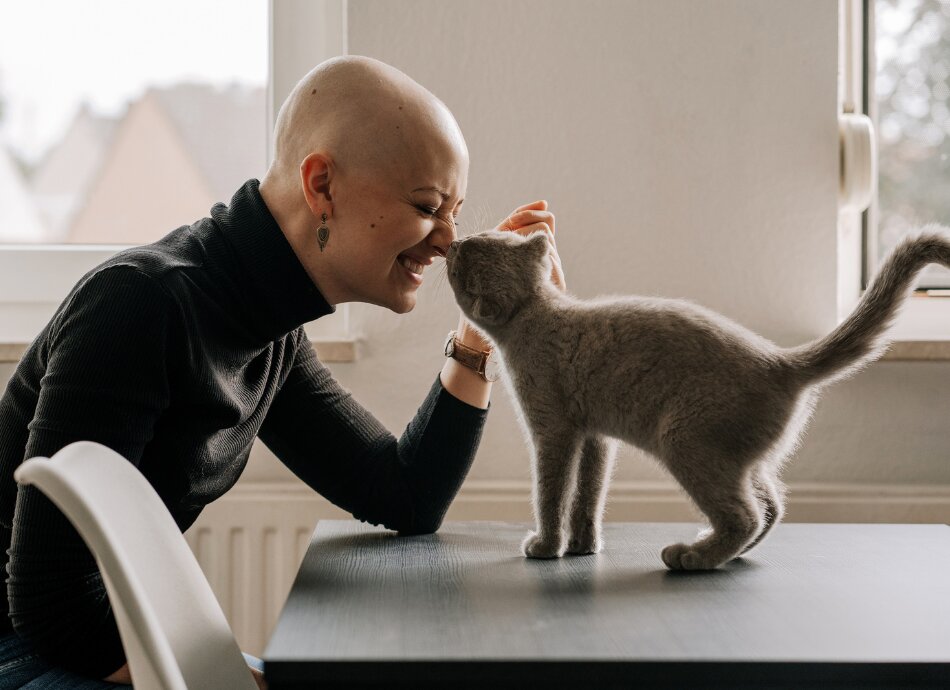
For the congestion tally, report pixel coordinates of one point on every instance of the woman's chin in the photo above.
(404, 303)
(396, 298)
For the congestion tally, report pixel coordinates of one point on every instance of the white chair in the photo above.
(173, 631)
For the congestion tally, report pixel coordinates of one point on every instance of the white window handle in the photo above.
(858, 162)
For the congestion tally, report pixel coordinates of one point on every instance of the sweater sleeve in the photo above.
(339, 449)
(105, 381)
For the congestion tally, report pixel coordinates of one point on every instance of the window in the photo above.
(122, 121)
(908, 82)
(91, 67)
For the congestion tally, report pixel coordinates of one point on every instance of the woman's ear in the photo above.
(316, 172)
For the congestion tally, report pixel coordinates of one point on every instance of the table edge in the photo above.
(664, 672)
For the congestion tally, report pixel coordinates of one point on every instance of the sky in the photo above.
(57, 54)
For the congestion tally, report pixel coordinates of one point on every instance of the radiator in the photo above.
(250, 544)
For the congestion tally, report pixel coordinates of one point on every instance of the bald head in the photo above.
(362, 113)
(369, 174)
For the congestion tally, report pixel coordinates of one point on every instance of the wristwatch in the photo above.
(481, 362)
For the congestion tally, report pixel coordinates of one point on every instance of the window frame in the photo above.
(34, 278)
(924, 318)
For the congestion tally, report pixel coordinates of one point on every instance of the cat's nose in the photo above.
(454, 244)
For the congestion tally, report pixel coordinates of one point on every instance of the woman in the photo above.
(179, 353)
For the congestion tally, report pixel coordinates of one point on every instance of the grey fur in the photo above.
(719, 406)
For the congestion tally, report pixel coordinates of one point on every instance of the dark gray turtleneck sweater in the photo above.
(176, 355)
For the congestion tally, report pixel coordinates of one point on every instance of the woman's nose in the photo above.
(441, 238)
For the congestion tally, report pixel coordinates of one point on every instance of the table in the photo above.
(825, 606)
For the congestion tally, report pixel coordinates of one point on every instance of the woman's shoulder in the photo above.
(180, 250)
(162, 271)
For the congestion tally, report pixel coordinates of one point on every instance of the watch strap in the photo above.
(467, 356)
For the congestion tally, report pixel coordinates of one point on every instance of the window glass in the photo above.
(120, 121)
(912, 96)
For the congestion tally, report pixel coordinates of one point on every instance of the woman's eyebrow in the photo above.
(440, 192)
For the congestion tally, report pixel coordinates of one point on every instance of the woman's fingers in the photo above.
(526, 221)
(511, 222)
(539, 205)
(557, 271)
(534, 227)
(530, 217)
(557, 276)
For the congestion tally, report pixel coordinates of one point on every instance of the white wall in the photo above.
(689, 149)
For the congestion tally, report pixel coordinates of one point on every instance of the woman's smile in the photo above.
(412, 268)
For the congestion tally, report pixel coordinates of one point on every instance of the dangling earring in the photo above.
(323, 232)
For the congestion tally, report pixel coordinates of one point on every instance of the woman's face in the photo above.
(394, 226)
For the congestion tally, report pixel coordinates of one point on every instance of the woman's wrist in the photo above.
(470, 336)
(462, 382)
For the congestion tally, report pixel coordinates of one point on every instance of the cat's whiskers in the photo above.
(440, 278)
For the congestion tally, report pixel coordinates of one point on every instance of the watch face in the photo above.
(492, 369)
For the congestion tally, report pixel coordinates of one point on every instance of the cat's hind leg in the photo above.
(724, 493)
(555, 468)
(590, 495)
(770, 493)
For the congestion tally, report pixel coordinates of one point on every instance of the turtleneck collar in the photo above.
(280, 293)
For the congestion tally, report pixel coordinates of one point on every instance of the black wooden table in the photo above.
(857, 606)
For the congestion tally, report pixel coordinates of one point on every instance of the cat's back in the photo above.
(610, 345)
(630, 362)
(667, 324)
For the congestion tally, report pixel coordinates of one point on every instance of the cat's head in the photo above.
(494, 273)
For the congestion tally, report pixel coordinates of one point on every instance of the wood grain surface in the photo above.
(815, 605)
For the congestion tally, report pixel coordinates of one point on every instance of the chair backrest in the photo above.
(173, 630)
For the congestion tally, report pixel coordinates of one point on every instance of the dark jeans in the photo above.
(20, 667)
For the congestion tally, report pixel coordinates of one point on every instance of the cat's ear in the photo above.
(537, 243)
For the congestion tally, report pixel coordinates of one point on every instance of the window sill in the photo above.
(922, 330)
(335, 350)
(344, 350)
(328, 350)
(918, 351)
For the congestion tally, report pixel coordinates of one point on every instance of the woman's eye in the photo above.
(427, 210)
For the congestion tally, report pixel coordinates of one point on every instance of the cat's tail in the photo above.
(861, 338)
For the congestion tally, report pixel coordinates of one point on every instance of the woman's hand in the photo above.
(258, 678)
(533, 217)
(460, 381)
(120, 676)
(524, 220)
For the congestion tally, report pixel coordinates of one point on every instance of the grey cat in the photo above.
(719, 406)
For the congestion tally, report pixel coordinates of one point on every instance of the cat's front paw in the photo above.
(685, 557)
(541, 546)
(585, 540)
